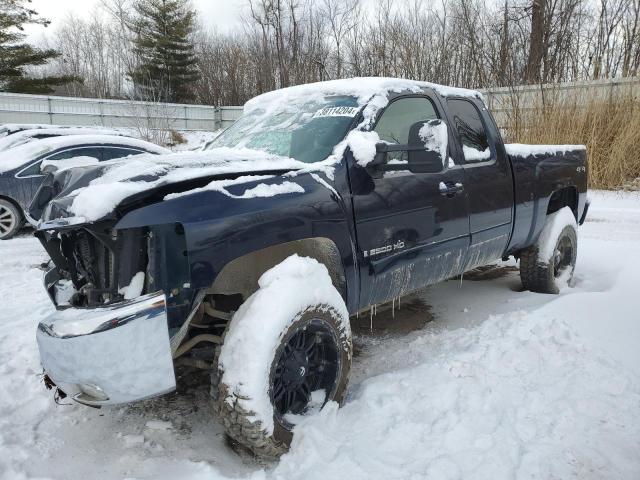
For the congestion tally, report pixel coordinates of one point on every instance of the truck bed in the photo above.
(545, 175)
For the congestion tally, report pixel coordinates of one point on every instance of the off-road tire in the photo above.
(11, 219)
(539, 275)
(239, 423)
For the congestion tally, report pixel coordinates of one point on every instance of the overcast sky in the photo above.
(223, 14)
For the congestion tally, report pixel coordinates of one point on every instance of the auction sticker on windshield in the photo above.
(336, 112)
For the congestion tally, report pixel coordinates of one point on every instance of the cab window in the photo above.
(397, 119)
(470, 129)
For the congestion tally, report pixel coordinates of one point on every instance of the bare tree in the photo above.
(468, 43)
(342, 17)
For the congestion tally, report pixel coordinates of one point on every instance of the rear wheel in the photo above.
(10, 219)
(548, 273)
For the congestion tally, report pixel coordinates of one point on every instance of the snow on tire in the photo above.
(286, 352)
(549, 264)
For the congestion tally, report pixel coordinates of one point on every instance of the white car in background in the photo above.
(21, 167)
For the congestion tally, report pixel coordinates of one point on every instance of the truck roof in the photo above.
(364, 89)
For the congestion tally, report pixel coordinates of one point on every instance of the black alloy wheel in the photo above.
(307, 361)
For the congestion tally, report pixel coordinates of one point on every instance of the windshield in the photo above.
(307, 132)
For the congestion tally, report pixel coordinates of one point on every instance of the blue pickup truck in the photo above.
(248, 258)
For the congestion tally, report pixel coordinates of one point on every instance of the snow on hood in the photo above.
(262, 190)
(121, 180)
(23, 154)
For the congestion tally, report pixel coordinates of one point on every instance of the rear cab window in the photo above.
(472, 133)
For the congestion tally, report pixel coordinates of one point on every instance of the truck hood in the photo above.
(93, 193)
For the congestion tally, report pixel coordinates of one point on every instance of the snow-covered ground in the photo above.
(471, 379)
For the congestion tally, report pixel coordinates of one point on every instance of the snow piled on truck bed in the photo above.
(502, 384)
(525, 150)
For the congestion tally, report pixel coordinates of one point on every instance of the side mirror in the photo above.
(432, 137)
(378, 165)
(381, 154)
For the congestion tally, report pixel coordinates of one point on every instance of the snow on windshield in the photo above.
(307, 131)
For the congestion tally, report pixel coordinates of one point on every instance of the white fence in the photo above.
(18, 108)
(504, 100)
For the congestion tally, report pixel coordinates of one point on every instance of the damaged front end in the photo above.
(117, 309)
(109, 355)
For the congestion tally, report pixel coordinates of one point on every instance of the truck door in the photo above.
(488, 180)
(412, 228)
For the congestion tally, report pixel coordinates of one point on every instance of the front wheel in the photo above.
(10, 219)
(549, 264)
(286, 353)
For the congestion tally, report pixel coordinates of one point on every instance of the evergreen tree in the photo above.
(16, 56)
(166, 68)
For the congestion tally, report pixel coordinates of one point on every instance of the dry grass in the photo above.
(176, 138)
(609, 128)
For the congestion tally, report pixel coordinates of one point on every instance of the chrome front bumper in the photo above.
(109, 355)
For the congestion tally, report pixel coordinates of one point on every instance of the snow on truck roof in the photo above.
(18, 156)
(364, 89)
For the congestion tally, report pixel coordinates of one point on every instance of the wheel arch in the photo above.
(563, 197)
(241, 275)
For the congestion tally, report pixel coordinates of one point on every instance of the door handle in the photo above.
(449, 189)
